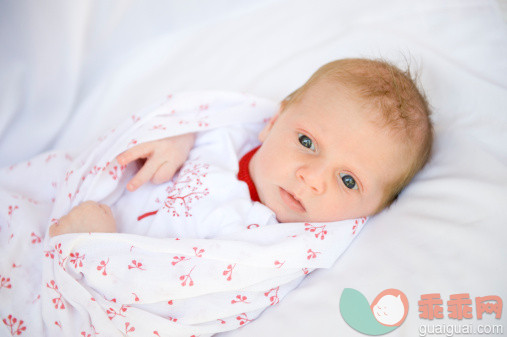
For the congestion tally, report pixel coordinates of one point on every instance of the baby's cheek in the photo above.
(272, 168)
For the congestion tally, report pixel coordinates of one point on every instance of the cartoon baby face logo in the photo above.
(387, 311)
(390, 307)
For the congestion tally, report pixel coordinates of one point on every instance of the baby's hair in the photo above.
(395, 95)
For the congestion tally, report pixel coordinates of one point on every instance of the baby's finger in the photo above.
(106, 208)
(138, 151)
(164, 173)
(143, 176)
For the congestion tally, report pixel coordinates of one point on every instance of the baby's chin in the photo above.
(284, 217)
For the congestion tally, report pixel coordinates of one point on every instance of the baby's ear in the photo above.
(267, 128)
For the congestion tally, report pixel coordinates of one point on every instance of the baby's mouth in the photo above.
(290, 200)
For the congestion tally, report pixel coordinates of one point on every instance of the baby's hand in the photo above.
(86, 217)
(163, 158)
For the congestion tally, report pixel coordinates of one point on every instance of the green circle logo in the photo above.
(387, 311)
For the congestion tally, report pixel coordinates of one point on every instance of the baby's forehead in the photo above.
(354, 103)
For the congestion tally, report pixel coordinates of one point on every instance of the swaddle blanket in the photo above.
(193, 257)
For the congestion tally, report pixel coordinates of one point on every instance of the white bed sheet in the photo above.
(69, 67)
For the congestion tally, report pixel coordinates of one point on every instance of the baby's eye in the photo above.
(306, 141)
(348, 181)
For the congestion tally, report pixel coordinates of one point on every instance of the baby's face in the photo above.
(323, 159)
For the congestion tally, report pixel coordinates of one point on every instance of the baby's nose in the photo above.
(313, 178)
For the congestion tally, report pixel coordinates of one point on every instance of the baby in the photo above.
(342, 146)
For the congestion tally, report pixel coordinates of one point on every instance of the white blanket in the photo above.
(194, 256)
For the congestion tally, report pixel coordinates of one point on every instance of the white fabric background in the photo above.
(76, 68)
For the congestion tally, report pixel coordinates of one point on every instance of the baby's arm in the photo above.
(87, 217)
(163, 158)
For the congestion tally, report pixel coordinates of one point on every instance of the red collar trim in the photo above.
(244, 174)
